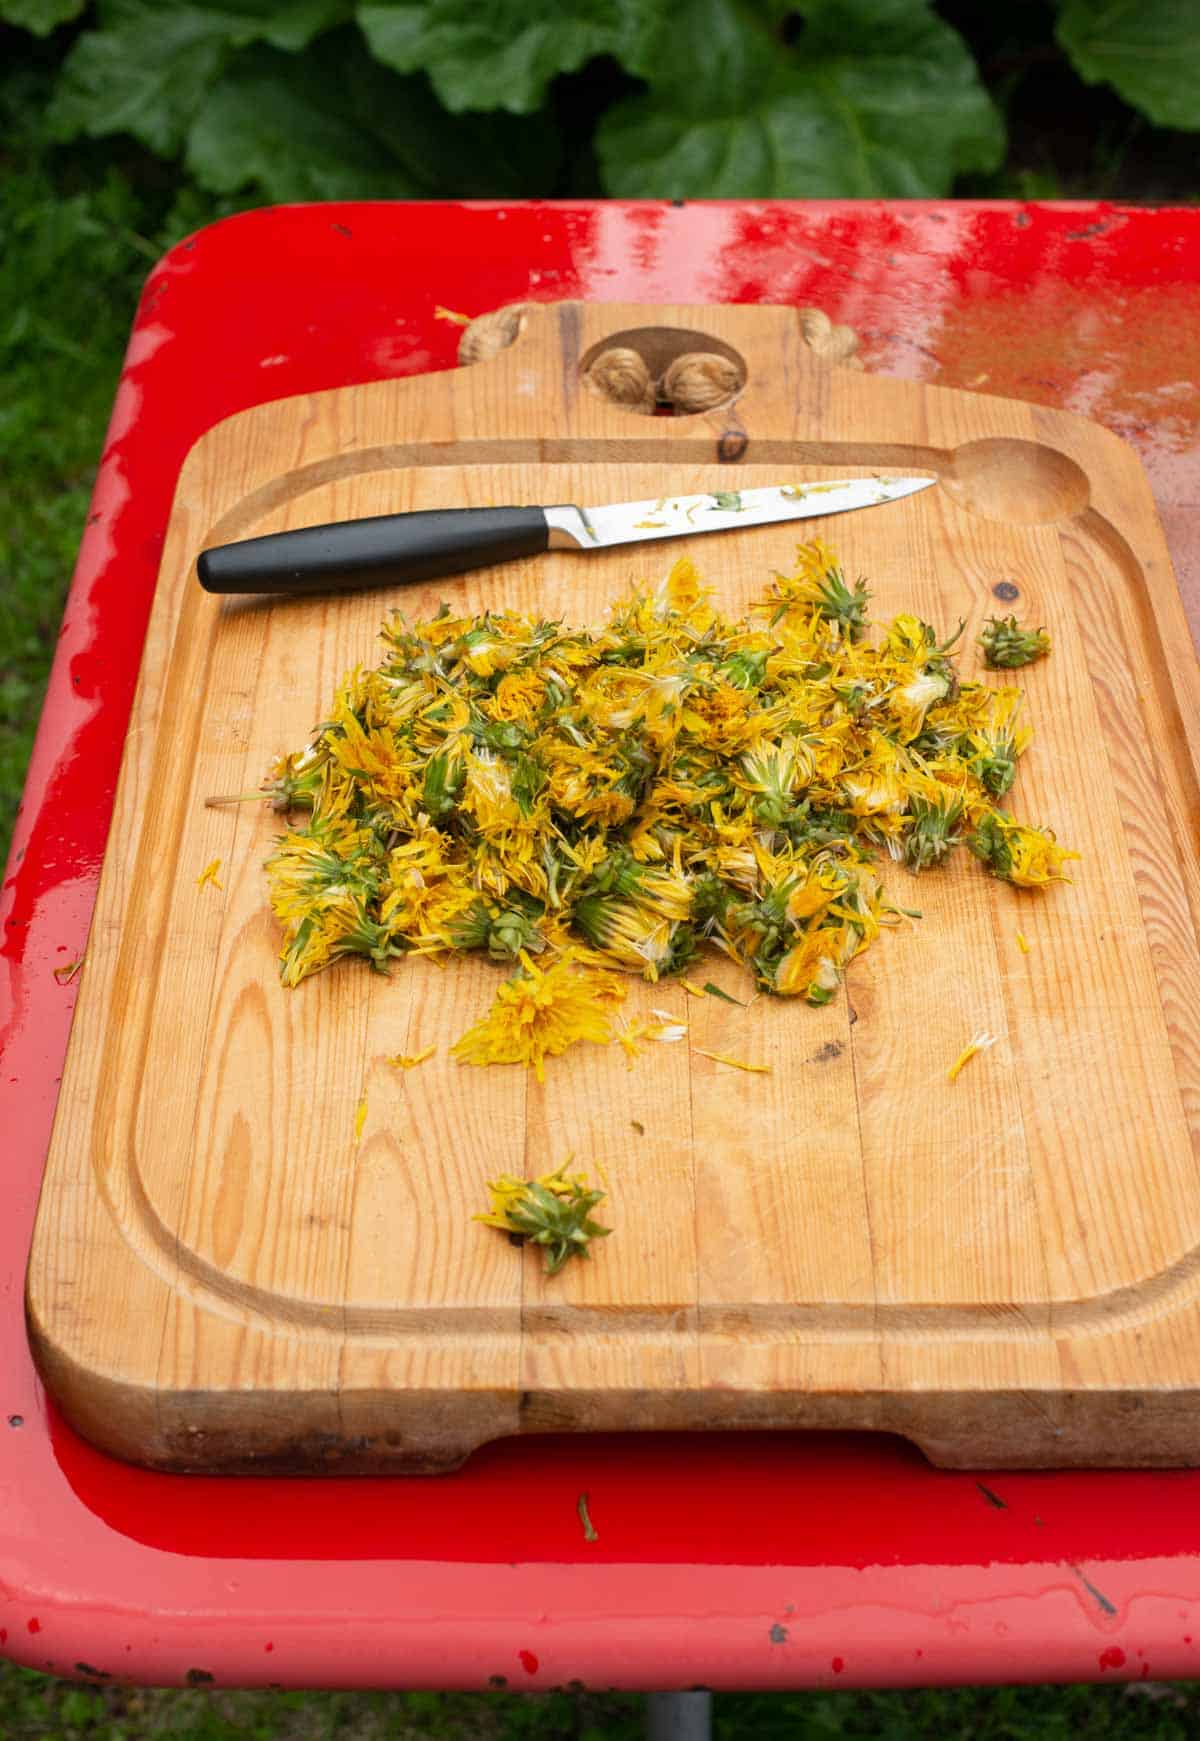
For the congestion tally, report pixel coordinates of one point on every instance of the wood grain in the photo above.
(225, 1274)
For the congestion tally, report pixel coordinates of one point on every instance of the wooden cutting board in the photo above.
(1004, 1268)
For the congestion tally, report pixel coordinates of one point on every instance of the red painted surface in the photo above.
(722, 1560)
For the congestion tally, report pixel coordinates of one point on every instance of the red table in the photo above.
(724, 1561)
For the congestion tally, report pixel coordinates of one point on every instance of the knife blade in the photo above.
(394, 549)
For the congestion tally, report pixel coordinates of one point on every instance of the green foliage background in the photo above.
(325, 99)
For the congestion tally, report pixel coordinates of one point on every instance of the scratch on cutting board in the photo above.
(999, 1205)
(1039, 1408)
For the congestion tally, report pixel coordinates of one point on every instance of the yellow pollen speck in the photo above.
(1022, 943)
(403, 1061)
(360, 1118)
(209, 875)
(736, 1063)
(979, 1044)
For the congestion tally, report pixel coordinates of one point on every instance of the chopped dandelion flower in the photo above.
(819, 585)
(1028, 857)
(933, 831)
(541, 1012)
(553, 1211)
(1006, 645)
(622, 800)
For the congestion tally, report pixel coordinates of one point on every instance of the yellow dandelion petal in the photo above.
(209, 875)
(735, 1063)
(664, 1030)
(980, 1043)
(964, 1057)
(452, 315)
(1022, 943)
(407, 1061)
(360, 1118)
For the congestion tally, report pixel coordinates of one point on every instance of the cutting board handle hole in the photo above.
(1002, 478)
(657, 371)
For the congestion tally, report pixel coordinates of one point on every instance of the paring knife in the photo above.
(391, 549)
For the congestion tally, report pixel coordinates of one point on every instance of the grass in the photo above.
(36, 1708)
(78, 232)
(69, 269)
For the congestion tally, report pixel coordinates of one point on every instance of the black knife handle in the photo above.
(386, 550)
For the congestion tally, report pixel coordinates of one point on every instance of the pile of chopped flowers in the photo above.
(617, 799)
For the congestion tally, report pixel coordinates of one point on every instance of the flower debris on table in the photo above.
(574, 802)
(589, 1528)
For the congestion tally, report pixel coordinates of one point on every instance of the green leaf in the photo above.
(1148, 50)
(502, 54)
(333, 124)
(275, 122)
(715, 991)
(40, 16)
(879, 98)
(148, 67)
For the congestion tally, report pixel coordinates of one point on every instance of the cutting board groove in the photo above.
(1005, 1269)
